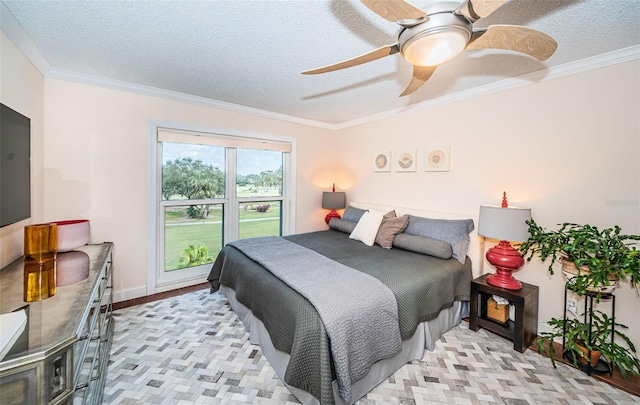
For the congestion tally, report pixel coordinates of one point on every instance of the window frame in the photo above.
(155, 250)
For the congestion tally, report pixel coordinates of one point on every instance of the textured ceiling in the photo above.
(251, 53)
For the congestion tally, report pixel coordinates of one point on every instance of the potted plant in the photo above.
(586, 345)
(600, 258)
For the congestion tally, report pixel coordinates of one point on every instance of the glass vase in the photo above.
(40, 242)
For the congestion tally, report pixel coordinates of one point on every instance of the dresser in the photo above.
(60, 354)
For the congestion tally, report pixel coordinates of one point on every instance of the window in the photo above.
(259, 192)
(212, 189)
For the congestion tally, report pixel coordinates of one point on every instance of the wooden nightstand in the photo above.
(525, 327)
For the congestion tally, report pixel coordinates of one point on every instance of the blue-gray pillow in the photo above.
(353, 214)
(423, 245)
(453, 231)
(342, 225)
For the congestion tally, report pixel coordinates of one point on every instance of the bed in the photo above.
(429, 293)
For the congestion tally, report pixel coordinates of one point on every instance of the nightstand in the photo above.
(524, 329)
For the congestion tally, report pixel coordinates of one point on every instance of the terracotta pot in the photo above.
(595, 355)
(570, 270)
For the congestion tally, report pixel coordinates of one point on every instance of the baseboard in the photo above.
(129, 294)
(544, 327)
(160, 296)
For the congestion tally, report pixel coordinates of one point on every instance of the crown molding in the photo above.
(62, 74)
(19, 37)
(16, 34)
(583, 65)
(554, 72)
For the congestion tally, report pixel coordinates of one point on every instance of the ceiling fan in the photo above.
(440, 32)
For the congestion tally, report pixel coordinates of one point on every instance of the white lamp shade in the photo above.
(504, 223)
(332, 200)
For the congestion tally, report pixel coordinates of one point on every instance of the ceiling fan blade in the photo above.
(358, 60)
(420, 75)
(474, 10)
(515, 38)
(394, 10)
(484, 8)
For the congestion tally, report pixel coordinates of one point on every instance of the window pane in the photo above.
(259, 173)
(191, 171)
(260, 219)
(192, 235)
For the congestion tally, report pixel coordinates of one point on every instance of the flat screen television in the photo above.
(15, 166)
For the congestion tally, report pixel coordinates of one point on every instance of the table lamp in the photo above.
(332, 200)
(506, 224)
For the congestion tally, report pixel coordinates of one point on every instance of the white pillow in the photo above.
(367, 227)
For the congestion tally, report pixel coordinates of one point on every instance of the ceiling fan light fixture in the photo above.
(433, 47)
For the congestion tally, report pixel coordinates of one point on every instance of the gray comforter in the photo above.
(359, 312)
(422, 285)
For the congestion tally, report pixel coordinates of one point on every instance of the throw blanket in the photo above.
(361, 336)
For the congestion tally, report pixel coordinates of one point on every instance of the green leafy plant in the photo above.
(604, 253)
(599, 256)
(596, 338)
(198, 211)
(194, 256)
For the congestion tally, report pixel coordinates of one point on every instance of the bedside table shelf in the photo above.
(524, 329)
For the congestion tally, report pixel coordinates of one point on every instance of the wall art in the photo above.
(382, 162)
(406, 160)
(437, 158)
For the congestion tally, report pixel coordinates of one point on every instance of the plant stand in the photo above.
(602, 367)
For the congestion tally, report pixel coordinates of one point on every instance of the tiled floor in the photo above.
(192, 349)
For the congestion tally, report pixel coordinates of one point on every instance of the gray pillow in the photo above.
(453, 231)
(353, 214)
(390, 227)
(342, 225)
(423, 245)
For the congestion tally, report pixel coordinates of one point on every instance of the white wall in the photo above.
(568, 148)
(97, 157)
(22, 89)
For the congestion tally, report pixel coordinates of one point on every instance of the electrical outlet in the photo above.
(572, 306)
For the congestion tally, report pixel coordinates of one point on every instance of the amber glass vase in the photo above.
(40, 251)
(40, 242)
(39, 280)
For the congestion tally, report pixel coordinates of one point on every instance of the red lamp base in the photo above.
(332, 214)
(504, 280)
(506, 259)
